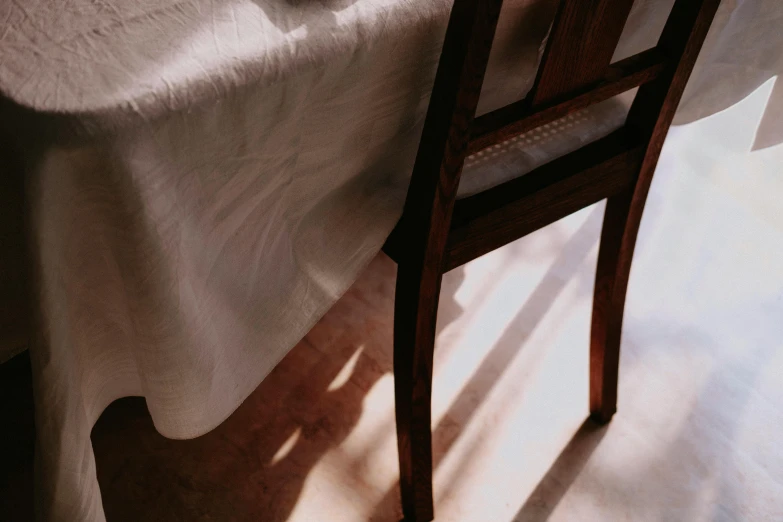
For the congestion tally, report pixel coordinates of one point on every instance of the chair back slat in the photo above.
(579, 50)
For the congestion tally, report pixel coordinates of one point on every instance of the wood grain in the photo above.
(651, 115)
(429, 204)
(436, 233)
(518, 207)
(581, 43)
(520, 117)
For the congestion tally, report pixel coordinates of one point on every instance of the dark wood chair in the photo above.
(439, 232)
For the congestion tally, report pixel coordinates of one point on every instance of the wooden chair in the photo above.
(439, 232)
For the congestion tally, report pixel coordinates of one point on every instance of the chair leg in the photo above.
(415, 312)
(618, 238)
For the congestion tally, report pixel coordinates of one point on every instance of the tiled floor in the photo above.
(697, 436)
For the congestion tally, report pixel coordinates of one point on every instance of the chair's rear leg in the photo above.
(650, 116)
(614, 264)
(415, 312)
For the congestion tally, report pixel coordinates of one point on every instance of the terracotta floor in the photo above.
(697, 436)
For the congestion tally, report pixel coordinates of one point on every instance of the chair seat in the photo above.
(526, 152)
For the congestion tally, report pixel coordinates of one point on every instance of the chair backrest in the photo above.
(575, 72)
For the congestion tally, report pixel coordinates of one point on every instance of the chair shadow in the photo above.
(558, 480)
(731, 384)
(463, 409)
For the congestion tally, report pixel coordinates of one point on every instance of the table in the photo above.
(204, 180)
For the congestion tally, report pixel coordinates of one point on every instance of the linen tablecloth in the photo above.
(205, 179)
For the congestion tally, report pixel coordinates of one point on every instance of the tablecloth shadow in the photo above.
(18, 433)
(254, 465)
(251, 467)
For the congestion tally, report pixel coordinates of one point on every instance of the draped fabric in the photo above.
(205, 179)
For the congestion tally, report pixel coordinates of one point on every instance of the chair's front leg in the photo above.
(415, 312)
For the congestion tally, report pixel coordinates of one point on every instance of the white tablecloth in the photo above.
(207, 178)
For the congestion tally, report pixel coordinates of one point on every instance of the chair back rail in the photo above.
(575, 72)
